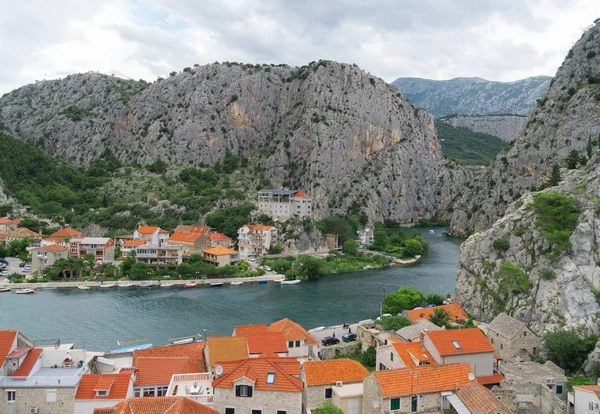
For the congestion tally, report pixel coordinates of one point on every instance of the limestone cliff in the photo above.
(505, 127)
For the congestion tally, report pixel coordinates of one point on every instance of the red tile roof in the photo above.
(220, 251)
(456, 312)
(2, 236)
(409, 351)
(66, 232)
(193, 351)
(193, 229)
(593, 388)
(117, 386)
(255, 227)
(226, 348)
(147, 229)
(330, 371)
(495, 378)
(242, 330)
(423, 379)
(157, 405)
(7, 340)
(459, 341)
(292, 331)
(261, 342)
(218, 236)
(478, 399)
(301, 194)
(185, 236)
(135, 242)
(22, 233)
(256, 370)
(52, 248)
(27, 365)
(159, 370)
(6, 220)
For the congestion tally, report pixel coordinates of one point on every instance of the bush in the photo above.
(547, 274)
(370, 357)
(440, 317)
(328, 408)
(501, 244)
(403, 299)
(567, 349)
(350, 247)
(393, 323)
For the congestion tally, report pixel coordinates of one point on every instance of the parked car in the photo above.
(5, 273)
(252, 259)
(330, 340)
(22, 264)
(27, 268)
(349, 337)
(385, 315)
(267, 268)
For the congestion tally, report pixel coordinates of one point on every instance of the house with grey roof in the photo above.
(412, 333)
(512, 337)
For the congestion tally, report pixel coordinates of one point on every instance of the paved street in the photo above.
(328, 331)
(13, 265)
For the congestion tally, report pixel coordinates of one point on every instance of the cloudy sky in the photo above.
(440, 39)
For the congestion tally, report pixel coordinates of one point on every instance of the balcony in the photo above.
(46, 377)
(197, 387)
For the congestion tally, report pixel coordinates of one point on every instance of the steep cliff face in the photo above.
(327, 127)
(473, 96)
(524, 280)
(564, 120)
(505, 127)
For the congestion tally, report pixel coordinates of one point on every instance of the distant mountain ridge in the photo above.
(473, 96)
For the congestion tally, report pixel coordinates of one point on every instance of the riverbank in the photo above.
(408, 261)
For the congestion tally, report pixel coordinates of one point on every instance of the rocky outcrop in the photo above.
(329, 128)
(505, 127)
(566, 119)
(300, 237)
(544, 294)
(473, 96)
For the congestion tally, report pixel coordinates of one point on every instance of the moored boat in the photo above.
(189, 286)
(49, 287)
(83, 287)
(145, 285)
(291, 282)
(236, 283)
(167, 285)
(262, 282)
(278, 280)
(216, 284)
(4, 290)
(132, 348)
(109, 285)
(126, 285)
(25, 291)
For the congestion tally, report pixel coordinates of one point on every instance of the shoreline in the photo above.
(408, 261)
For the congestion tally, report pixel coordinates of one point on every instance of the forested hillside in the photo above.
(468, 147)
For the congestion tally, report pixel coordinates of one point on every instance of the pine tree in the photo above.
(589, 147)
(555, 177)
(572, 160)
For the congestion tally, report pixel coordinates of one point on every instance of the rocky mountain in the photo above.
(566, 119)
(505, 127)
(329, 128)
(512, 267)
(473, 96)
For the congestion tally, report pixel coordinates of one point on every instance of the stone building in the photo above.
(399, 354)
(511, 337)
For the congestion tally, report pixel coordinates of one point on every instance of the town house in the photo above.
(256, 239)
(219, 349)
(23, 233)
(102, 248)
(101, 390)
(192, 241)
(266, 343)
(218, 239)
(154, 374)
(152, 234)
(66, 234)
(157, 405)
(154, 255)
(128, 246)
(397, 354)
(586, 399)
(511, 337)
(412, 333)
(339, 381)
(45, 256)
(7, 225)
(221, 256)
(300, 343)
(477, 399)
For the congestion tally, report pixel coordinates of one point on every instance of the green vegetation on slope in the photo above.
(466, 146)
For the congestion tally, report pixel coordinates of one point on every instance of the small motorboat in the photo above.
(262, 282)
(4, 290)
(291, 282)
(107, 286)
(189, 286)
(131, 348)
(49, 287)
(167, 285)
(236, 283)
(431, 231)
(145, 285)
(216, 284)
(278, 280)
(83, 287)
(25, 291)
(126, 285)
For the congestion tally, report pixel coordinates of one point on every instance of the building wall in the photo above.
(51, 258)
(383, 357)
(372, 392)
(28, 398)
(582, 401)
(344, 404)
(314, 396)
(87, 406)
(510, 347)
(267, 401)
(482, 364)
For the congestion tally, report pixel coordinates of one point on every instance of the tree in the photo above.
(243, 266)
(440, 317)
(501, 244)
(403, 299)
(369, 357)
(555, 177)
(328, 408)
(340, 225)
(573, 159)
(309, 267)
(276, 249)
(380, 237)
(413, 247)
(393, 323)
(435, 299)
(350, 247)
(566, 349)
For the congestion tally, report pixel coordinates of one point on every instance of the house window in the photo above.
(559, 389)
(501, 346)
(229, 411)
(11, 396)
(395, 404)
(243, 391)
(281, 412)
(297, 344)
(148, 392)
(162, 391)
(382, 367)
(391, 356)
(51, 396)
(102, 393)
(137, 392)
(290, 344)
(492, 340)
(328, 393)
(270, 378)
(256, 411)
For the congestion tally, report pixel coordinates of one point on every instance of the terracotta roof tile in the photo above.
(495, 378)
(147, 229)
(480, 400)
(185, 236)
(292, 331)
(226, 348)
(2, 236)
(27, 365)
(159, 370)
(66, 232)
(423, 379)
(593, 388)
(409, 351)
(257, 227)
(262, 342)
(456, 312)
(7, 340)
(23, 233)
(220, 251)
(459, 341)
(259, 368)
(218, 236)
(117, 386)
(242, 330)
(52, 247)
(135, 242)
(301, 194)
(193, 229)
(193, 351)
(157, 405)
(333, 370)
(6, 220)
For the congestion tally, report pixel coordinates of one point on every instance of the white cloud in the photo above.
(440, 39)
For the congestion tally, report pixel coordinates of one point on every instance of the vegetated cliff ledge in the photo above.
(566, 119)
(329, 128)
(505, 127)
(512, 267)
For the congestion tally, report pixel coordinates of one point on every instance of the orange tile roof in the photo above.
(66, 232)
(193, 229)
(478, 399)
(147, 229)
(218, 236)
(7, 339)
(409, 350)
(257, 227)
(193, 351)
(117, 386)
(470, 341)
(423, 379)
(456, 312)
(52, 247)
(593, 388)
(27, 365)
(333, 370)
(301, 194)
(24, 233)
(226, 348)
(495, 378)
(2, 236)
(54, 240)
(6, 220)
(242, 330)
(292, 331)
(220, 251)
(159, 370)
(261, 342)
(185, 236)
(135, 242)
(157, 405)
(256, 370)
(162, 231)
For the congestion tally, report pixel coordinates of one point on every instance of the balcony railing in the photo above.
(203, 376)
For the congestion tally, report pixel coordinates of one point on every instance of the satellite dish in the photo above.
(471, 376)
(375, 404)
(219, 370)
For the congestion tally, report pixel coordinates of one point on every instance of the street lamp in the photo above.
(197, 273)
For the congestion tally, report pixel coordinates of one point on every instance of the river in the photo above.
(96, 319)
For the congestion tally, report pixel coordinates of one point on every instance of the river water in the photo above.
(96, 319)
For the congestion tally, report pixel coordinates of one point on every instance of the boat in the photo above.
(189, 286)
(131, 348)
(126, 285)
(278, 280)
(49, 287)
(83, 287)
(145, 285)
(25, 291)
(109, 285)
(262, 282)
(4, 290)
(432, 231)
(167, 285)
(291, 282)
(236, 283)
(216, 284)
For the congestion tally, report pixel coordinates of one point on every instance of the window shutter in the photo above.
(249, 391)
(237, 390)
